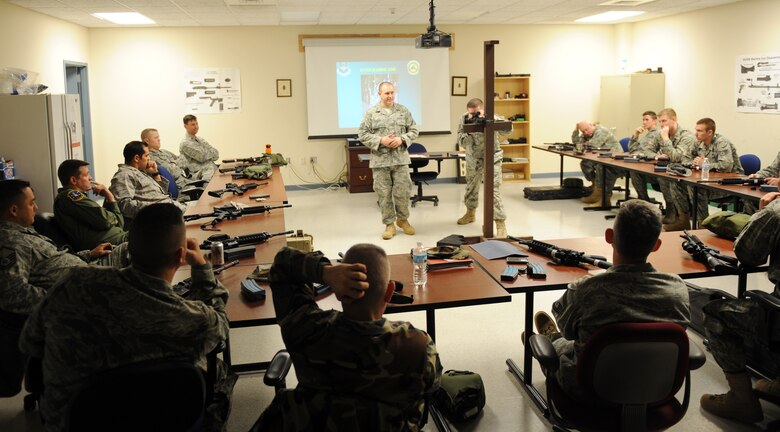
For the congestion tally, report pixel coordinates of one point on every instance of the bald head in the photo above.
(586, 127)
(377, 270)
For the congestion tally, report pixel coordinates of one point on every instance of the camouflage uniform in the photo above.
(390, 167)
(135, 189)
(97, 319)
(644, 144)
(601, 138)
(31, 264)
(349, 372)
(722, 155)
(773, 170)
(474, 144)
(171, 162)
(679, 148)
(198, 156)
(624, 293)
(85, 222)
(737, 329)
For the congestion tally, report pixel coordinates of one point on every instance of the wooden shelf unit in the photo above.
(515, 171)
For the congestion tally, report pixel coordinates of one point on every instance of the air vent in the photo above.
(625, 3)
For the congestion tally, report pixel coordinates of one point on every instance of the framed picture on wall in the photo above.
(283, 88)
(459, 85)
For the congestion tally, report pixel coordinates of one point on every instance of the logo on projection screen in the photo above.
(413, 67)
(343, 69)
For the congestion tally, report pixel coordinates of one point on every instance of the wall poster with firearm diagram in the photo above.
(758, 83)
(212, 90)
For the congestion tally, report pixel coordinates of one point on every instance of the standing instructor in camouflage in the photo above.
(388, 129)
(474, 144)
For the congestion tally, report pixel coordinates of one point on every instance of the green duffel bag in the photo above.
(258, 172)
(726, 224)
(461, 396)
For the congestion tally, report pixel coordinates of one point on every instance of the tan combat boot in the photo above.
(770, 387)
(500, 229)
(608, 203)
(740, 403)
(683, 222)
(594, 196)
(670, 217)
(468, 218)
(389, 232)
(404, 225)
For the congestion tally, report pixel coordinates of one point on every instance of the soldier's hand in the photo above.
(397, 141)
(661, 156)
(348, 281)
(773, 181)
(697, 161)
(639, 131)
(101, 250)
(665, 133)
(193, 255)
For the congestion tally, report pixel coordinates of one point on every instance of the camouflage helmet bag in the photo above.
(258, 172)
(726, 224)
(461, 396)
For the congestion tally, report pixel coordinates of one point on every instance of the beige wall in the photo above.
(136, 77)
(698, 52)
(41, 44)
(136, 82)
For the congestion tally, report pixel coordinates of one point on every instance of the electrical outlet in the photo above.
(313, 160)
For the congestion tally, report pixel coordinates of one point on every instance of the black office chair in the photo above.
(629, 374)
(46, 224)
(420, 177)
(13, 363)
(273, 419)
(161, 394)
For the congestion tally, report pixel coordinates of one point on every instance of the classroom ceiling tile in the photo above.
(370, 12)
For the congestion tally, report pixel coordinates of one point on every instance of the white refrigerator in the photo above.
(39, 132)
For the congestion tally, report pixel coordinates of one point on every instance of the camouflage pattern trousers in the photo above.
(593, 170)
(739, 335)
(682, 196)
(393, 187)
(475, 173)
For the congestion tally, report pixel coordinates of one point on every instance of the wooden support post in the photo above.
(490, 137)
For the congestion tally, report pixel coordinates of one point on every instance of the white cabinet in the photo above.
(625, 97)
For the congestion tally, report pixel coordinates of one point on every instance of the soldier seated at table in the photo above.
(197, 155)
(630, 291)
(137, 183)
(389, 367)
(721, 155)
(85, 222)
(736, 329)
(597, 136)
(96, 319)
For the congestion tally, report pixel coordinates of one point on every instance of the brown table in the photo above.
(670, 258)
(647, 167)
(445, 289)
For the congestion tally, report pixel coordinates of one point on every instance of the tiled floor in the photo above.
(477, 338)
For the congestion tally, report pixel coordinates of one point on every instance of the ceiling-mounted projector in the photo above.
(433, 38)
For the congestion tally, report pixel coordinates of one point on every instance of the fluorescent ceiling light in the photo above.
(609, 16)
(299, 17)
(126, 18)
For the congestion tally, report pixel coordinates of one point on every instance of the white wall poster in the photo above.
(212, 90)
(758, 83)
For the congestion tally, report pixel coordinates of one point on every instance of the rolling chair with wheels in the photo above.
(420, 177)
(629, 374)
(273, 419)
(193, 189)
(624, 145)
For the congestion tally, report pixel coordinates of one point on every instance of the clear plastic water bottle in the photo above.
(420, 266)
(705, 169)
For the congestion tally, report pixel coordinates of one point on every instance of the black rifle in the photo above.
(236, 169)
(702, 253)
(242, 240)
(233, 187)
(229, 212)
(254, 160)
(183, 288)
(563, 256)
(737, 181)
